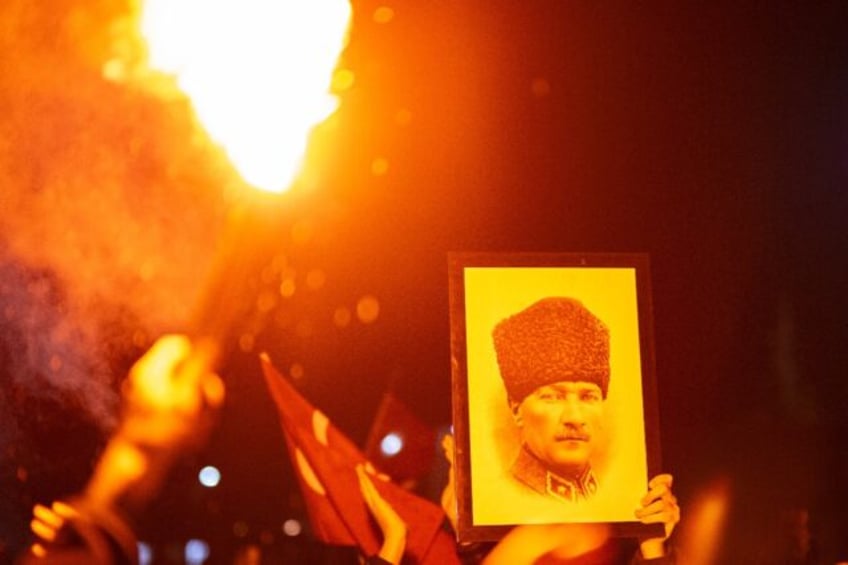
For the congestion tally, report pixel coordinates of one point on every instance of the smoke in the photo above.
(51, 349)
(111, 200)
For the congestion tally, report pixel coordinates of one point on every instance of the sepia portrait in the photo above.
(554, 401)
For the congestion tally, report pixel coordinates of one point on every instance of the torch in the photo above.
(258, 74)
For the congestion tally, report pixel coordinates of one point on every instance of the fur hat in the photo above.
(555, 339)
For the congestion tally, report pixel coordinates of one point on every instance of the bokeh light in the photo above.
(145, 553)
(209, 476)
(540, 87)
(343, 79)
(383, 15)
(391, 444)
(315, 279)
(266, 537)
(367, 309)
(379, 166)
(266, 301)
(246, 342)
(342, 317)
(196, 552)
(240, 529)
(292, 527)
(287, 288)
(296, 371)
(304, 329)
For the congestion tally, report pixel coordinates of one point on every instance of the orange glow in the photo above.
(246, 342)
(258, 73)
(383, 15)
(316, 279)
(367, 309)
(296, 371)
(38, 550)
(287, 287)
(702, 532)
(379, 166)
(342, 317)
(403, 117)
(540, 87)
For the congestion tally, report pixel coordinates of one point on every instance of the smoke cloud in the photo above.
(112, 199)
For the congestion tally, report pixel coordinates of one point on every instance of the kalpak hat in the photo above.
(555, 339)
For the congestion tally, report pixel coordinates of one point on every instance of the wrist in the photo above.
(127, 476)
(121, 464)
(652, 548)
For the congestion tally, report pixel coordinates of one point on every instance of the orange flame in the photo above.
(258, 73)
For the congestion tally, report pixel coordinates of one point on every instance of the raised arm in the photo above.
(169, 403)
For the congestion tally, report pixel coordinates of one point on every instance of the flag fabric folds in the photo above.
(324, 460)
(415, 441)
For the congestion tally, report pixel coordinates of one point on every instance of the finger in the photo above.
(189, 363)
(658, 508)
(448, 448)
(675, 516)
(664, 502)
(653, 508)
(42, 530)
(47, 516)
(447, 443)
(664, 478)
(669, 516)
(656, 492)
(213, 390)
(661, 505)
(149, 376)
(66, 511)
(658, 518)
(165, 354)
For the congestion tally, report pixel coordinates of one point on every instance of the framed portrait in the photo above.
(554, 395)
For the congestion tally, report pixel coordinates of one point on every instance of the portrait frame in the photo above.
(486, 288)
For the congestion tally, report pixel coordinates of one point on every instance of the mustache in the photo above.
(573, 435)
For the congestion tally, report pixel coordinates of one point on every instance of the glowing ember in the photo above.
(257, 71)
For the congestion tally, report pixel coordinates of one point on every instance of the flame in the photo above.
(258, 73)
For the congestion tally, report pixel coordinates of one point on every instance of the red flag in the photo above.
(399, 443)
(325, 460)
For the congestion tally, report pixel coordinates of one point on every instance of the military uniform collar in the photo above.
(532, 472)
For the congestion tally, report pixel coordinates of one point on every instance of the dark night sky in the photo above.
(713, 137)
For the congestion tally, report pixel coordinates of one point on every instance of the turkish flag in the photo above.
(415, 442)
(324, 460)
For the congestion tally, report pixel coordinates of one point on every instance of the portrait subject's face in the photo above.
(560, 423)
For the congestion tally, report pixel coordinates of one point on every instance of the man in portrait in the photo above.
(553, 357)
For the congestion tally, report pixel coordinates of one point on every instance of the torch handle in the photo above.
(228, 296)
